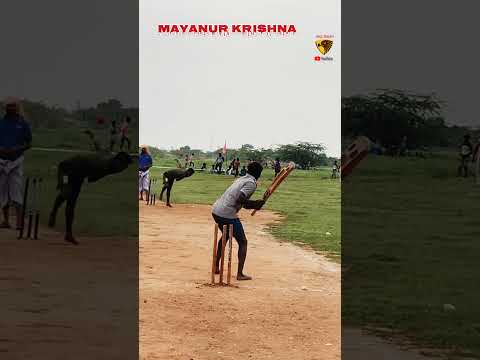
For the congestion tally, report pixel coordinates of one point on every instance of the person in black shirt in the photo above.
(169, 178)
(73, 171)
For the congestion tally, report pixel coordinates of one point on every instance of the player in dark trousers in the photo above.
(113, 134)
(466, 150)
(226, 208)
(125, 134)
(236, 166)
(169, 178)
(335, 170)
(219, 163)
(73, 171)
(71, 174)
(277, 166)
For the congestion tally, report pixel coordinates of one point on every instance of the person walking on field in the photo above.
(144, 164)
(15, 139)
(190, 161)
(169, 178)
(219, 163)
(236, 166)
(466, 150)
(335, 170)
(125, 135)
(225, 212)
(277, 166)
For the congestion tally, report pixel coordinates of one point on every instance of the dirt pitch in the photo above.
(60, 301)
(291, 309)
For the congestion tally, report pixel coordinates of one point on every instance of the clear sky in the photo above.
(61, 52)
(421, 46)
(261, 90)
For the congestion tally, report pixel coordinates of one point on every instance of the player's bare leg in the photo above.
(59, 200)
(169, 189)
(70, 213)
(242, 255)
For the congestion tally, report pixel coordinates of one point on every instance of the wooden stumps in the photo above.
(30, 208)
(148, 192)
(24, 207)
(151, 197)
(227, 236)
(230, 249)
(222, 260)
(214, 257)
(37, 208)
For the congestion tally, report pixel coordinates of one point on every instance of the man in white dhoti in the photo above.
(15, 139)
(144, 164)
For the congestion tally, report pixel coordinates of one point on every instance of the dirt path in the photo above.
(291, 310)
(60, 301)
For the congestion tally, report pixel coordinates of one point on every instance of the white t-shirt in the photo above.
(227, 206)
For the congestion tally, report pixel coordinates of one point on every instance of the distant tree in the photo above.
(43, 116)
(111, 105)
(304, 154)
(387, 115)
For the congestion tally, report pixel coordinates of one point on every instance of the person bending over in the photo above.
(225, 212)
(71, 174)
(169, 178)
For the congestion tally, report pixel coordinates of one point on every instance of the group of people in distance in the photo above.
(122, 131)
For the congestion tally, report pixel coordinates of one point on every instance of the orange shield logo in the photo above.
(323, 45)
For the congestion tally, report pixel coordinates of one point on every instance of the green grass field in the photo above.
(108, 207)
(411, 244)
(308, 200)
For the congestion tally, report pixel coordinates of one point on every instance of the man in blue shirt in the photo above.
(15, 139)
(144, 164)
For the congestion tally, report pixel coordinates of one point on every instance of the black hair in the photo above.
(255, 169)
(128, 119)
(190, 171)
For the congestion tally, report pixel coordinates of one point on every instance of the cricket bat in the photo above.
(282, 175)
(352, 156)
